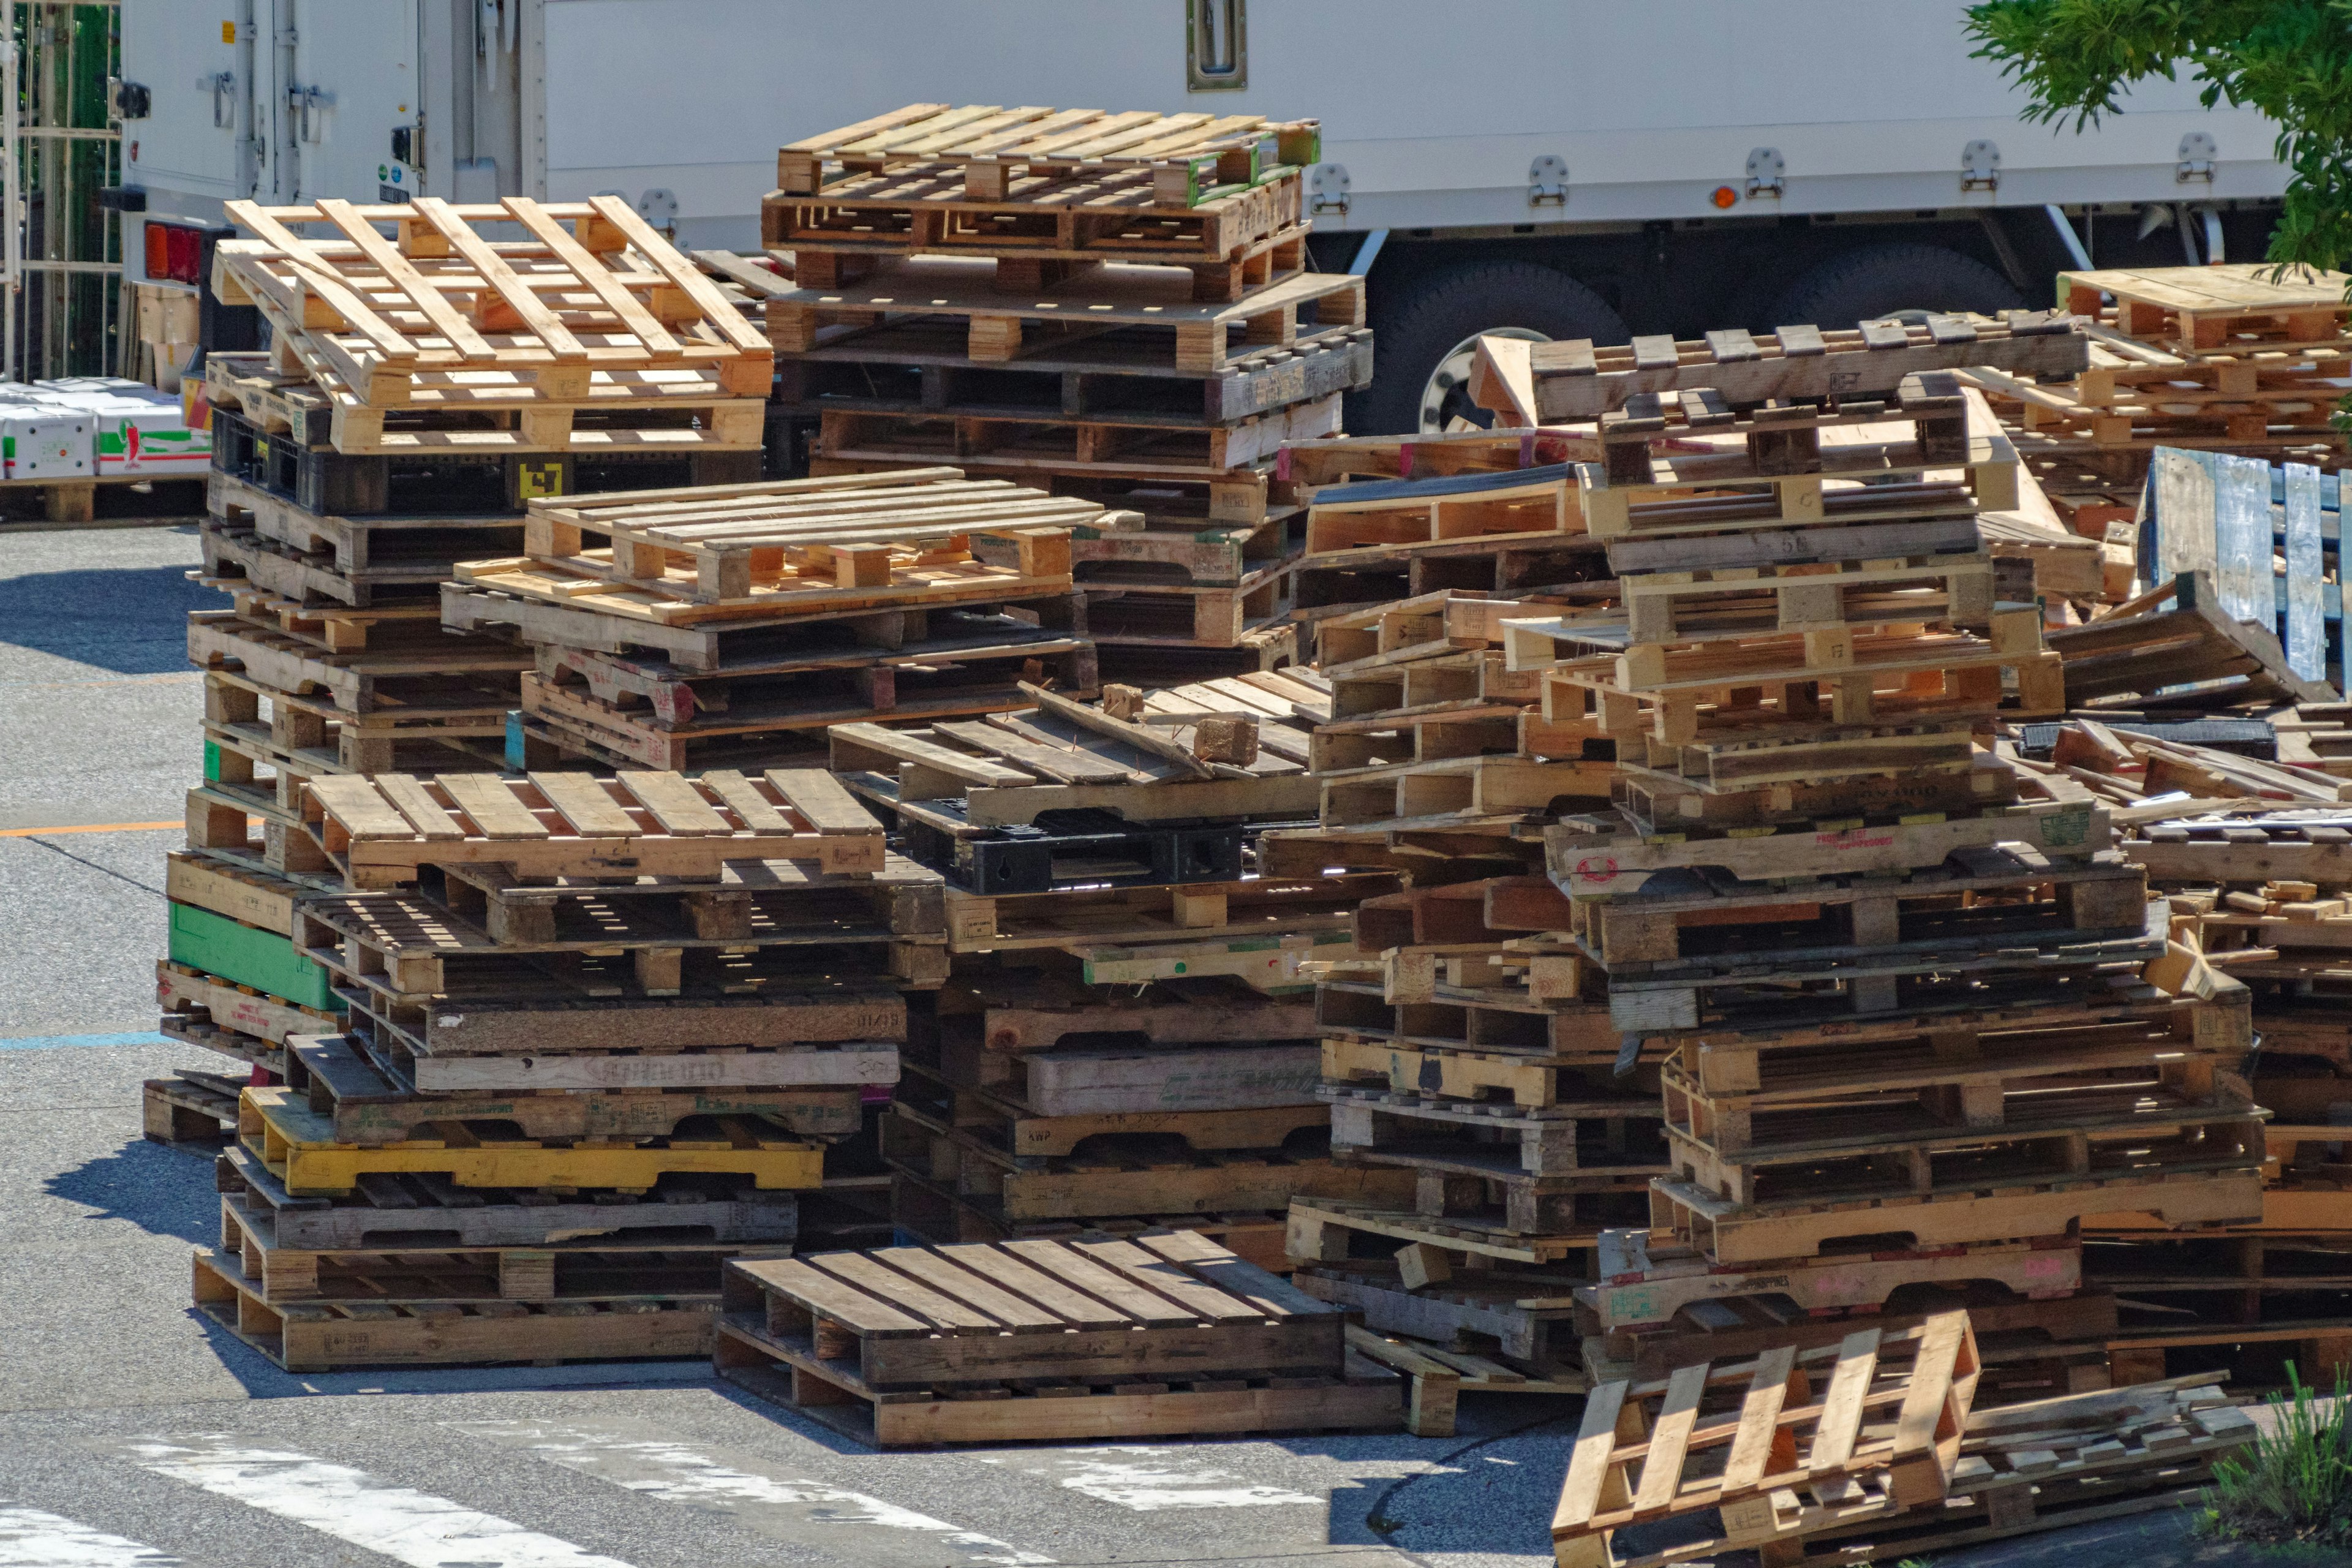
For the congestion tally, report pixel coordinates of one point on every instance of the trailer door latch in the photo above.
(2197, 153)
(1766, 172)
(1547, 182)
(1980, 166)
(1326, 190)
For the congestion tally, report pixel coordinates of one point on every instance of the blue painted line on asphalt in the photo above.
(69, 1042)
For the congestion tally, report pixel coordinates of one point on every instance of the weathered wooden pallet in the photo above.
(1754, 1442)
(381, 831)
(367, 1106)
(1601, 1137)
(1931, 766)
(383, 627)
(237, 1020)
(934, 1212)
(2176, 1281)
(1252, 909)
(665, 1269)
(1725, 493)
(1522, 1316)
(190, 1107)
(1738, 602)
(1321, 1230)
(1575, 380)
(349, 559)
(1268, 650)
(1518, 506)
(1031, 1138)
(1460, 1042)
(1174, 549)
(1440, 1376)
(325, 1337)
(1018, 1010)
(2224, 309)
(471, 672)
(1115, 1081)
(1769, 656)
(1783, 435)
(1144, 304)
(1137, 616)
(2058, 1463)
(238, 560)
(300, 1148)
(1191, 153)
(397, 1212)
(1126, 1177)
(1456, 792)
(1340, 460)
(442, 301)
(1566, 567)
(1460, 915)
(911, 364)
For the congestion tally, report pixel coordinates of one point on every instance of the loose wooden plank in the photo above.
(831, 1298)
(581, 801)
(492, 806)
(676, 805)
(410, 798)
(1931, 1383)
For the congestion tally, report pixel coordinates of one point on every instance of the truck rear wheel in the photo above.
(1891, 280)
(1423, 340)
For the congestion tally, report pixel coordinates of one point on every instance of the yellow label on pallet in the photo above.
(300, 1149)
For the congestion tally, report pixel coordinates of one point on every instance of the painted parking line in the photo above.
(32, 1539)
(399, 1522)
(92, 828)
(1145, 1479)
(752, 1492)
(77, 1042)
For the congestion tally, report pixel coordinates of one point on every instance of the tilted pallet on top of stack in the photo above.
(1115, 306)
(734, 623)
(1910, 1000)
(1483, 1073)
(1125, 1038)
(599, 1033)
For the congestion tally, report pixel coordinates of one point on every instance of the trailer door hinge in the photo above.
(1766, 172)
(222, 85)
(2197, 153)
(1326, 190)
(1547, 182)
(1980, 166)
(309, 105)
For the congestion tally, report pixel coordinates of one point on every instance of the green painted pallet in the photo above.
(245, 955)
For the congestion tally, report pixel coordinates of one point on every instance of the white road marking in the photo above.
(400, 1522)
(1126, 1477)
(31, 1539)
(752, 1492)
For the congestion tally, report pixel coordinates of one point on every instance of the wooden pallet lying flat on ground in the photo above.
(1575, 380)
(1634, 1463)
(189, 1107)
(324, 1337)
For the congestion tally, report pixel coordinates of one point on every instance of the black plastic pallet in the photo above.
(343, 484)
(2240, 737)
(1082, 848)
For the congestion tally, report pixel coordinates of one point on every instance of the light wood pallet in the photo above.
(1145, 304)
(1574, 380)
(421, 1211)
(1775, 1454)
(464, 672)
(1341, 460)
(2197, 311)
(1166, 1335)
(1518, 506)
(1140, 616)
(1193, 153)
(381, 831)
(1785, 435)
(369, 306)
(327, 1337)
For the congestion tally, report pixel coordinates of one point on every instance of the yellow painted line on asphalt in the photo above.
(90, 828)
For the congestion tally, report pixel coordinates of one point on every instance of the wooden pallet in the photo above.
(1117, 1175)
(1440, 1376)
(382, 831)
(1458, 792)
(372, 308)
(2140, 648)
(1516, 506)
(350, 559)
(1592, 1142)
(1523, 1316)
(299, 1147)
(1136, 616)
(315, 736)
(1784, 436)
(1575, 380)
(1022, 1011)
(327, 1337)
(2197, 311)
(1146, 305)
(1116, 1081)
(935, 1212)
(468, 670)
(189, 1108)
(1031, 1138)
(1251, 910)
(1322, 1229)
(1584, 1046)
(421, 1210)
(1635, 1461)
(989, 143)
(369, 1106)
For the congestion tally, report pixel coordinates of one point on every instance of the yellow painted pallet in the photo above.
(298, 1147)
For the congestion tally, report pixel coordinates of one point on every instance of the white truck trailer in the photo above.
(1561, 168)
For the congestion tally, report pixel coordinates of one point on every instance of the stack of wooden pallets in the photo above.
(1125, 1037)
(1161, 1334)
(1114, 306)
(733, 623)
(1910, 1000)
(597, 1037)
(1453, 1051)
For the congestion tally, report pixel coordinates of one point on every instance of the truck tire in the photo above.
(1415, 336)
(1891, 280)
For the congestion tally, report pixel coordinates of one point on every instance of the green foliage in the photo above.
(2296, 1484)
(2292, 60)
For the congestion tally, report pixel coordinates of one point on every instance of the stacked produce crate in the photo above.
(599, 1033)
(1459, 1047)
(1115, 306)
(1124, 1039)
(735, 623)
(1912, 1001)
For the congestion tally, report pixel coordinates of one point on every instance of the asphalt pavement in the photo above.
(134, 1432)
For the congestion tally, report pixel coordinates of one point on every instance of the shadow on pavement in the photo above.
(167, 1190)
(131, 621)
